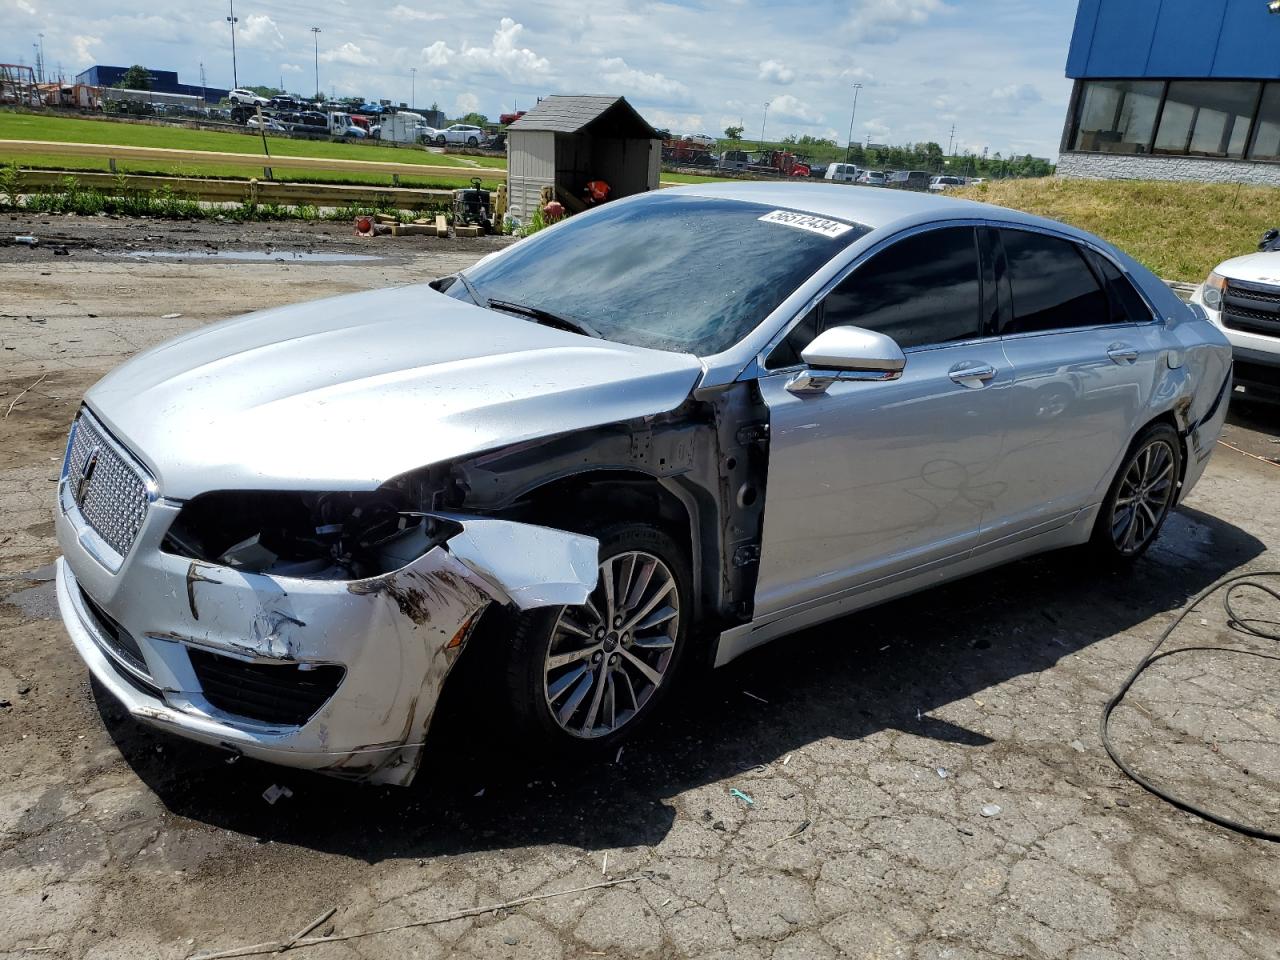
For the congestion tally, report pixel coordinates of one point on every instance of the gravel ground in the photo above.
(870, 748)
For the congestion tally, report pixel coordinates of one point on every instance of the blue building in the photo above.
(162, 81)
(1174, 90)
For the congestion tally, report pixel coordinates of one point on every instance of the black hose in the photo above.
(1263, 629)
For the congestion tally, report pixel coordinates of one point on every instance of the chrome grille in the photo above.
(110, 492)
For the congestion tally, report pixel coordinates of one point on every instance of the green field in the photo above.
(1181, 231)
(15, 126)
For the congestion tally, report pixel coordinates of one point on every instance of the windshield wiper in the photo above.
(545, 317)
(472, 292)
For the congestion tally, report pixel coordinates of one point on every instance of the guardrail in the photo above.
(248, 161)
(250, 191)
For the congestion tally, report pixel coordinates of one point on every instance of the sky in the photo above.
(992, 68)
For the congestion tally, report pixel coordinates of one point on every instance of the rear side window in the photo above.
(1127, 304)
(1053, 287)
(922, 290)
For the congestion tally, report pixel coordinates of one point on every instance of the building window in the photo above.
(1117, 116)
(1207, 118)
(1266, 142)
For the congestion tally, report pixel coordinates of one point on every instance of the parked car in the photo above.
(247, 98)
(460, 133)
(1242, 297)
(270, 124)
(284, 102)
(872, 178)
(843, 172)
(817, 171)
(909, 180)
(281, 533)
(734, 160)
(944, 183)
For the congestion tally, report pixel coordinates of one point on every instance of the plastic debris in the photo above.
(275, 792)
(748, 693)
(479, 793)
(786, 759)
(26, 241)
(804, 825)
(1077, 746)
(171, 316)
(618, 756)
(991, 810)
(942, 773)
(735, 792)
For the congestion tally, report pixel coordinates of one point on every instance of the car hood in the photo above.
(1253, 268)
(348, 392)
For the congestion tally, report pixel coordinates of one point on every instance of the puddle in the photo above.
(259, 256)
(36, 603)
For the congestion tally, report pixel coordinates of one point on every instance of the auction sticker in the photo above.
(807, 221)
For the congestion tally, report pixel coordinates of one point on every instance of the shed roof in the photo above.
(605, 115)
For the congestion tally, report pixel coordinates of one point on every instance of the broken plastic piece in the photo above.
(735, 792)
(275, 792)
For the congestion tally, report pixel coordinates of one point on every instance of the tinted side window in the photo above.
(1052, 285)
(922, 290)
(1127, 304)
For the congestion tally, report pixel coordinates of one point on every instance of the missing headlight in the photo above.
(311, 535)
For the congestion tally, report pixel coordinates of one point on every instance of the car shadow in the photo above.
(885, 668)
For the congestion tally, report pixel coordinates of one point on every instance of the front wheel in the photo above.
(473, 142)
(580, 679)
(1141, 495)
(440, 140)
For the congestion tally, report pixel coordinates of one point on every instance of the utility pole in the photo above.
(764, 122)
(952, 141)
(315, 33)
(413, 86)
(233, 19)
(848, 150)
(204, 94)
(41, 61)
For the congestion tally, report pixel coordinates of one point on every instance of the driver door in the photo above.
(869, 481)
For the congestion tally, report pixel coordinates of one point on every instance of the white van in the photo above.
(844, 172)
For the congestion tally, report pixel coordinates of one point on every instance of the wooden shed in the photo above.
(564, 142)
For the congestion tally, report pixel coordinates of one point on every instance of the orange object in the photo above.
(597, 191)
(364, 226)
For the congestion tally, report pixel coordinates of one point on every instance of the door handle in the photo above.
(1122, 353)
(966, 373)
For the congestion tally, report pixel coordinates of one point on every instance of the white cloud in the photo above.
(83, 47)
(259, 30)
(503, 55)
(348, 53)
(775, 71)
(290, 68)
(879, 21)
(401, 12)
(467, 103)
(647, 86)
(790, 109)
(27, 8)
(1016, 94)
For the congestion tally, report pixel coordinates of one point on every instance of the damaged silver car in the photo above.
(650, 437)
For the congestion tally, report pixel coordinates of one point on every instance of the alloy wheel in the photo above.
(608, 657)
(1143, 498)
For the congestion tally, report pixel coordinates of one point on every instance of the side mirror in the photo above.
(1268, 239)
(847, 353)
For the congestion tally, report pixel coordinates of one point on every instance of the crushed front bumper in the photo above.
(209, 652)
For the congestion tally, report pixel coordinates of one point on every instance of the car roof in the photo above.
(872, 208)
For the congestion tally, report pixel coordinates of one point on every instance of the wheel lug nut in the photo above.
(595, 658)
(613, 659)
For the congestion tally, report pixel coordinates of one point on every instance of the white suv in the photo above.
(461, 133)
(1242, 297)
(247, 97)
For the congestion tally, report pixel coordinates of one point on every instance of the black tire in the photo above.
(472, 142)
(440, 140)
(1136, 505)
(526, 675)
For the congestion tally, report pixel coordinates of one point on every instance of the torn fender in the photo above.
(526, 565)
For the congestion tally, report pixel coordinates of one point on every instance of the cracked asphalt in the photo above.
(924, 780)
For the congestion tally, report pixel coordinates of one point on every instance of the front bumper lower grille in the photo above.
(1251, 309)
(110, 491)
(284, 694)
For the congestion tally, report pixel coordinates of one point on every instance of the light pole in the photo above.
(315, 33)
(41, 36)
(413, 86)
(848, 150)
(764, 121)
(233, 19)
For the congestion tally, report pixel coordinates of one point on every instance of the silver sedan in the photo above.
(657, 434)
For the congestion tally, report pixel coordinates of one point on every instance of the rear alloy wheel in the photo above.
(582, 677)
(473, 142)
(1142, 494)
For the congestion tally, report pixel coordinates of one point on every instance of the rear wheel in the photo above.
(1141, 495)
(580, 679)
(472, 142)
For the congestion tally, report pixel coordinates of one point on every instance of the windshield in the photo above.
(682, 273)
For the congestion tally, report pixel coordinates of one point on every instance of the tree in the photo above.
(136, 77)
(475, 119)
(733, 133)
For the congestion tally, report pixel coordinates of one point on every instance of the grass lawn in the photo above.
(692, 178)
(1181, 231)
(15, 126)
